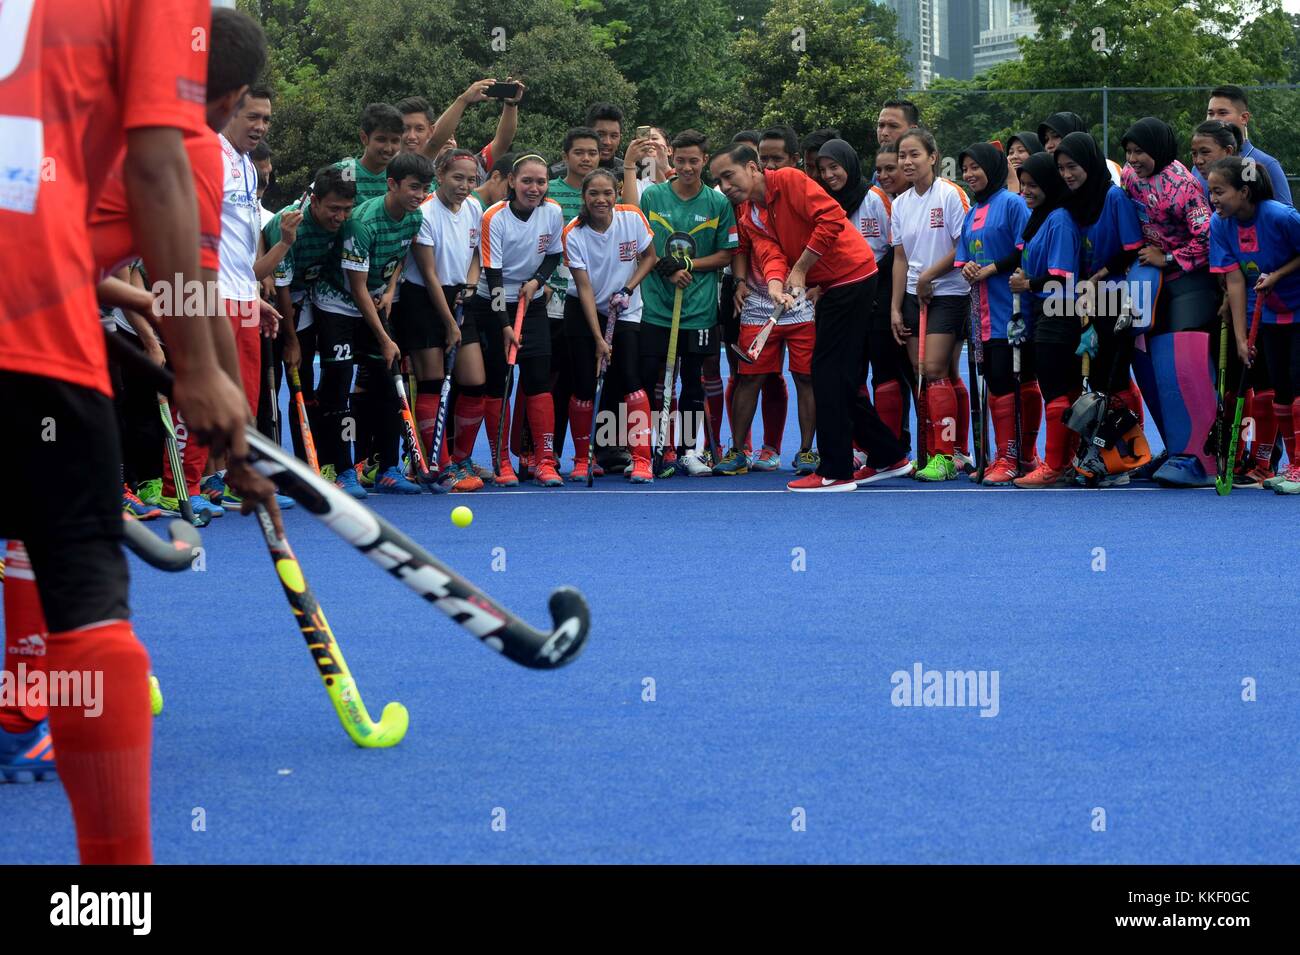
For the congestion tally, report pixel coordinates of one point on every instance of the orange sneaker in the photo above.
(505, 475)
(546, 475)
(1042, 477)
(579, 472)
(1001, 473)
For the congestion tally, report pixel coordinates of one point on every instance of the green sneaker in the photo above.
(150, 492)
(1290, 483)
(329, 473)
(806, 462)
(733, 462)
(169, 506)
(940, 467)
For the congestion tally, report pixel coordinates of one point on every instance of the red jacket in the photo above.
(799, 215)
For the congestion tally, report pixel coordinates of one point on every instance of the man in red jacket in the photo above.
(803, 245)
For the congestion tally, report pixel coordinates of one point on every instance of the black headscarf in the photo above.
(1041, 167)
(1086, 203)
(994, 163)
(1062, 124)
(1029, 140)
(1154, 137)
(855, 187)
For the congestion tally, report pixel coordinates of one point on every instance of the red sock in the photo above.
(469, 415)
(943, 416)
(889, 405)
(426, 417)
(1002, 409)
(713, 397)
(194, 458)
(580, 413)
(493, 408)
(1060, 439)
(776, 404)
(541, 423)
(1031, 419)
(1295, 431)
(1286, 429)
(640, 426)
(25, 635)
(1261, 410)
(1132, 399)
(963, 415)
(103, 759)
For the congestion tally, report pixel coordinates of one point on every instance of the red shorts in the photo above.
(245, 322)
(798, 338)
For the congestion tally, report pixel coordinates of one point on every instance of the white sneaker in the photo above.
(695, 463)
(964, 462)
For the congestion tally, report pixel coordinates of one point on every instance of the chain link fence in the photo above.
(961, 117)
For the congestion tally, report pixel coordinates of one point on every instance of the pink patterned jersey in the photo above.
(1174, 212)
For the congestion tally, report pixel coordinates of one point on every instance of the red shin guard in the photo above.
(1002, 409)
(541, 424)
(963, 415)
(25, 635)
(943, 416)
(469, 415)
(103, 758)
(580, 415)
(889, 405)
(426, 419)
(1060, 439)
(1261, 411)
(493, 409)
(640, 427)
(1286, 429)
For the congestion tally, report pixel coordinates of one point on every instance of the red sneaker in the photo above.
(1041, 477)
(869, 475)
(505, 476)
(579, 472)
(815, 482)
(546, 475)
(1001, 473)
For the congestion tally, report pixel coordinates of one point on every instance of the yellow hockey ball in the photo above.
(462, 516)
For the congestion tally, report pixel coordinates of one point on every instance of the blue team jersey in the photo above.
(991, 231)
(1118, 227)
(1261, 245)
(1054, 251)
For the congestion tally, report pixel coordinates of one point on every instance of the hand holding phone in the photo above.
(504, 91)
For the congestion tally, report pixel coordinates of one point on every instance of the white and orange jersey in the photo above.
(928, 226)
(453, 236)
(872, 219)
(517, 246)
(609, 258)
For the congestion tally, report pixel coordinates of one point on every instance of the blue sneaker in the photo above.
(393, 481)
(202, 505)
(27, 757)
(231, 501)
(213, 488)
(1183, 470)
(733, 462)
(347, 482)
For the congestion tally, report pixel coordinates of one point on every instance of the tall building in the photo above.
(1003, 24)
(942, 36)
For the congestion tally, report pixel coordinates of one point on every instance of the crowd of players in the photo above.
(641, 266)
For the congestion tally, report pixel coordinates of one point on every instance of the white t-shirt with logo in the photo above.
(928, 227)
(609, 258)
(241, 216)
(517, 246)
(872, 220)
(453, 236)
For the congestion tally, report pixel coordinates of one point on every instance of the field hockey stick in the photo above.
(922, 400)
(520, 309)
(410, 430)
(681, 247)
(1223, 483)
(1015, 384)
(974, 360)
(750, 355)
(1223, 466)
(272, 393)
(439, 428)
(304, 423)
(178, 468)
(325, 651)
(169, 555)
(610, 321)
(406, 560)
